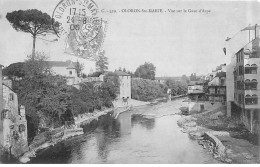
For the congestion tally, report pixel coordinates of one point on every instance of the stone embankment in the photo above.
(50, 138)
(205, 137)
(46, 140)
(88, 117)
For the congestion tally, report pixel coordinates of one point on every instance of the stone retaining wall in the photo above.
(220, 149)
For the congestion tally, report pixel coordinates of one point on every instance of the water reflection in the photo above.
(124, 123)
(145, 122)
(128, 139)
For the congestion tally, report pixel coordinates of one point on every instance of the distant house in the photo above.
(163, 80)
(217, 88)
(196, 96)
(13, 124)
(210, 93)
(66, 69)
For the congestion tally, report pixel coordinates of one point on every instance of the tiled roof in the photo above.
(68, 64)
(71, 65)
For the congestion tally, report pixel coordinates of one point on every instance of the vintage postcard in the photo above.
(129, 82)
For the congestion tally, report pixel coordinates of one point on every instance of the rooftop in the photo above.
(196, 83)
(68, 64)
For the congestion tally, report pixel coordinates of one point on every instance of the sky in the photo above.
(176, 43)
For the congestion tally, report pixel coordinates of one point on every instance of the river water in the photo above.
(131, 138)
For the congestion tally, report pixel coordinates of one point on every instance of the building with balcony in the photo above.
(216, 92)
(246, 87)
(210, 93)
(196, 96)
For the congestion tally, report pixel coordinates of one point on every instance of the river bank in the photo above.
(225, 138)
(51, 138)
(146, 138)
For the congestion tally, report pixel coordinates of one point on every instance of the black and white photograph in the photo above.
(129, 82)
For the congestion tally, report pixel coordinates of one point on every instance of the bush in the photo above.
(146, 90)
(177, 87)
(93, 96)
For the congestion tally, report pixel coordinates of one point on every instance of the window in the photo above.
(15, 135)
(21, 128)
(254, 54)
(4, 114)
(222, 82)
(251, 100)
(70, 72)
(251, 69)
(211, 91)
(11, 96)
(251, 85)
(202, 107)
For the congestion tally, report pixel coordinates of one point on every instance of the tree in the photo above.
(102, 62)
(131, 73)
(146, 71)
(36, 65)
(79, 68)
(95, 74)
(46, 97)
(146, 90)
(185, 78)
(193, 77)
(124, 70)
(32, 21)
(84, 75)
(14, 70)
(177, 87)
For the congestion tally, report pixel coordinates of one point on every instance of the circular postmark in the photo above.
(78, 22)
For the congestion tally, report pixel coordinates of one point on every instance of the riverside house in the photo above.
(247, 90)
(243, 75)
(216, 92)
(196, 96)
(13, 124)
(208, 94)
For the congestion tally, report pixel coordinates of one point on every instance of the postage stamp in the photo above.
(80, 26)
